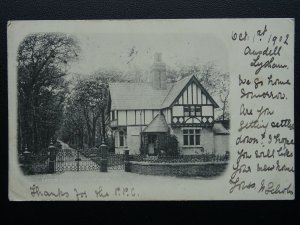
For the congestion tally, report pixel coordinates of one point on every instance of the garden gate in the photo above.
(76, 160)
(87, 160)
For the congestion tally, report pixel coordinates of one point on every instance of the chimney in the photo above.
(158, 71)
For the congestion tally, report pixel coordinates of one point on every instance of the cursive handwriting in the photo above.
(264, 140)
(273, 189)
(36, 192)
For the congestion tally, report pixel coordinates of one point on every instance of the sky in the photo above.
(124, 51)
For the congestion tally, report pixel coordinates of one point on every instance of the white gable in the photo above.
(193, 95)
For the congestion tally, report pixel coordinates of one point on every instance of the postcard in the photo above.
(181, 109)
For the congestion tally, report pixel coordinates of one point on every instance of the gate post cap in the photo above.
(26, 150)
(103, 144)
(51, 145)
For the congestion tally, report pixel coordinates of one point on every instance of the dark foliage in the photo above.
(42, 64)
(168, 145)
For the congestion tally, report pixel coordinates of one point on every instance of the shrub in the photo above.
(144, 149)
(168, 145)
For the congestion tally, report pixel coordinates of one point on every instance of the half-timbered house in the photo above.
(140, 112)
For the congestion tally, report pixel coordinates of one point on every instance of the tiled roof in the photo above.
(128, 96)
(136, 96)
(158, 124)
(143, 96)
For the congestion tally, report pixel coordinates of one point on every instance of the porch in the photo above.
(151, 135)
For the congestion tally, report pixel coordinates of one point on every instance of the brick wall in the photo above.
(183, 169)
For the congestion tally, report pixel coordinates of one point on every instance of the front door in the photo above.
(151, 144)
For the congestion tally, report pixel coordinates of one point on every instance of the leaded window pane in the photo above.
(198, 111)
(186, 111)
(185, 140)
(192, 140)
(192, 112)
(121, 140)
(197, 139)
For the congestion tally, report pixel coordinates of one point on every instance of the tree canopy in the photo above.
(43, 60)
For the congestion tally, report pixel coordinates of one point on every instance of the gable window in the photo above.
(198, 110)
(122, 138)
(192, 110)
(191, 137)
(186, 110)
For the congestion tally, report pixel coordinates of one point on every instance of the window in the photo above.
(198, 111)
(192, 110)
(191, 137)
(122, 138)
(186, 110)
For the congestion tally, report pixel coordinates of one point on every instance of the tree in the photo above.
(43, 59)
(73, 129)
(92, 96)
(109, 75)
(223, 92)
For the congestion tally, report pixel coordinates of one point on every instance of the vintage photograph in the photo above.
(153, 104)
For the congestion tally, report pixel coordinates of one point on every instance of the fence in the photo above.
(35, 163)
(54, 160)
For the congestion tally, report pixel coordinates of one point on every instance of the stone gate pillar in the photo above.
(104, 156)
(27, 162)
(126, 161)
(52, 158)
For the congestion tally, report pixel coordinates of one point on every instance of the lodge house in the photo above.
(142, 111)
